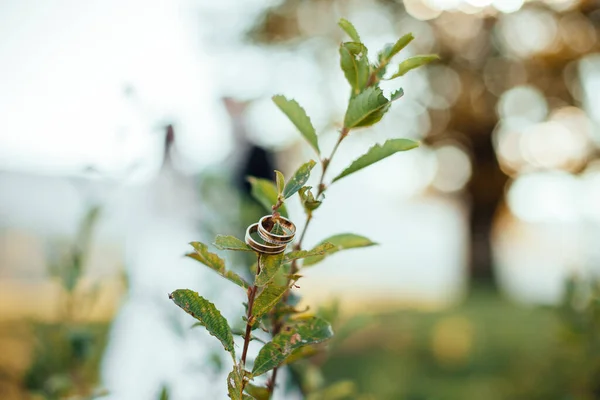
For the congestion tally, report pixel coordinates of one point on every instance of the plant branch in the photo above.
(343, 133)
(277, 322)
(248, 334)
(249, 316)
(276, 206)
(373, 78)
(271, 382)
(320, 190)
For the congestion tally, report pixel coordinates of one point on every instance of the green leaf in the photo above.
(414, 62)
(258, 392)
(267, 299)
(319, 250)
(215, 263)
(164, 393)
(377, 153)
(390, 50)
(207, 314)
(298, 116)
(336, 391)
(349, 29)
(330, 312)
(342, 241)
(277, 229)
(269, 265)
(235, 386)
(279, 178)
(366, 109)
(265, 192)
(397, 94)
(351, 326)
(308, 199)
(207, 258)
(299, 179)
(355, 64)
(299, 333)
(241, 332)
(227, 242)
(302, 353)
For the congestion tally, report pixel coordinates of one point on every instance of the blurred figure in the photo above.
(151, 343)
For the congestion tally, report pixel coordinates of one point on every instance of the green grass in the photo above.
(485, 349)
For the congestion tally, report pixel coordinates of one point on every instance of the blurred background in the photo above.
(128, 128)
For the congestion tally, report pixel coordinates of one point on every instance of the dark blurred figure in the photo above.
(255, 160)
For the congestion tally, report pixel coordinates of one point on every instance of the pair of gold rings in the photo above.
(274, 243)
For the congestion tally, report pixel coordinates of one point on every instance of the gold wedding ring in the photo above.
(266, 248)
(273, 243)
(265, 225)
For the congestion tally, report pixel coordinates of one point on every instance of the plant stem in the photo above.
(327, 161)
(321, 188)
(247, 335)
(249, 316)
(298, 245)
(278, 323)
(271, 382)
(373, 77)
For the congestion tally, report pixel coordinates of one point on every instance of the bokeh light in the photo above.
(522, 106)
(545, 196)
(528, 32)
(453, 168)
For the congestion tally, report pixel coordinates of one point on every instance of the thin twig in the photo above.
(249, 316)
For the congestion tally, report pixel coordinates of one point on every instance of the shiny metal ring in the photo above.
(259, 247)
(266, 223)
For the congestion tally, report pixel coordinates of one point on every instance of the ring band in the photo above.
(262, 248)
(270, 237)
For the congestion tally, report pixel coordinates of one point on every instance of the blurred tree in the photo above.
(490, 52)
